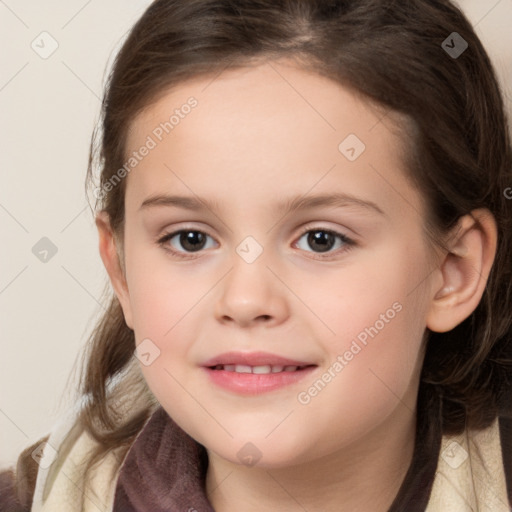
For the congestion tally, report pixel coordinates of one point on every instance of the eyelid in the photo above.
(166, 232)
(319, 226)
(338, 231)
(173, 233)
(348, 241)
(169, 235)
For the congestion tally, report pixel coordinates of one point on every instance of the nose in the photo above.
(251, 295)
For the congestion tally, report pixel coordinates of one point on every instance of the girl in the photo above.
(304, 211)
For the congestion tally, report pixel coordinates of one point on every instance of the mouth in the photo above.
(255, 373)
(263, 362)
(260, 369)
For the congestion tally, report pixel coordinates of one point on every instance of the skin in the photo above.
(261, 135)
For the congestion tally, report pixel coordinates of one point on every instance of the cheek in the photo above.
(161, 292)
(168, 309)
(164, 304)
(376, 371)
(377, 314)
(372, 374)
(380, 293)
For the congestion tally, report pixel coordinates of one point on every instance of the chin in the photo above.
(261, 453)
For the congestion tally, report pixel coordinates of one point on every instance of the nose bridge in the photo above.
(250, 292)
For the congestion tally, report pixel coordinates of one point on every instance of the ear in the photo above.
(464, 271)
(109, 252)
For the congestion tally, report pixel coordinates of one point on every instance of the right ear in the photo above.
(109, 253)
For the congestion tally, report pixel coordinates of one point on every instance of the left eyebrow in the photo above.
(337, 200)
(296, 203)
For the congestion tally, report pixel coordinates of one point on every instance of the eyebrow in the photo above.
(196, 203)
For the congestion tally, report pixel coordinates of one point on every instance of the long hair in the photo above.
(395, 55)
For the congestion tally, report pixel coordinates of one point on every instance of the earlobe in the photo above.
(109, 253)
(464, 271)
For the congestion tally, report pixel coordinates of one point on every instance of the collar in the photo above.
(164, 470)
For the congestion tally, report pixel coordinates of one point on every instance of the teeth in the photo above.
(240, 368)
(263, 369)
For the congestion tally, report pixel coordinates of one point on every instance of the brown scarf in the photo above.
(164, 471)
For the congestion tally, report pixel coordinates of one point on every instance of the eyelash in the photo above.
(348, 243)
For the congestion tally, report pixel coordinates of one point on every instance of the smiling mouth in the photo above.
(261, 369)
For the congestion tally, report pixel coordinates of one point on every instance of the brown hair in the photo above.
(391, 52)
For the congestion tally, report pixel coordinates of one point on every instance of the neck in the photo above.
(365, 476)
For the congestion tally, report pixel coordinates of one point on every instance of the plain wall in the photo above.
(48, 110)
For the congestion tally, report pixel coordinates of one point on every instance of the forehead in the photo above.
(259, 98)
(271, 124)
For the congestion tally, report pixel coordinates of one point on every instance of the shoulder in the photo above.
(474, 468)
(23, 483)
(46, 471)
(17, 484)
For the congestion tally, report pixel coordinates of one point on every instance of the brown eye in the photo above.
(185, 241)
(323, 241)
(192, 240)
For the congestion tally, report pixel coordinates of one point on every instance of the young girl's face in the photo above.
(339, 284)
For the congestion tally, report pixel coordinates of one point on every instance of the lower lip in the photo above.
(256, 383)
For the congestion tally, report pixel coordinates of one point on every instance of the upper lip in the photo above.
(253, 359)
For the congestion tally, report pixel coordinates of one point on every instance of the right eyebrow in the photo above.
(185, 202)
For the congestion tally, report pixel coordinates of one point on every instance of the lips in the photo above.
(253, 360)
(255, 373)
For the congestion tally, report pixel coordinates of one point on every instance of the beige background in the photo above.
(48, 110)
